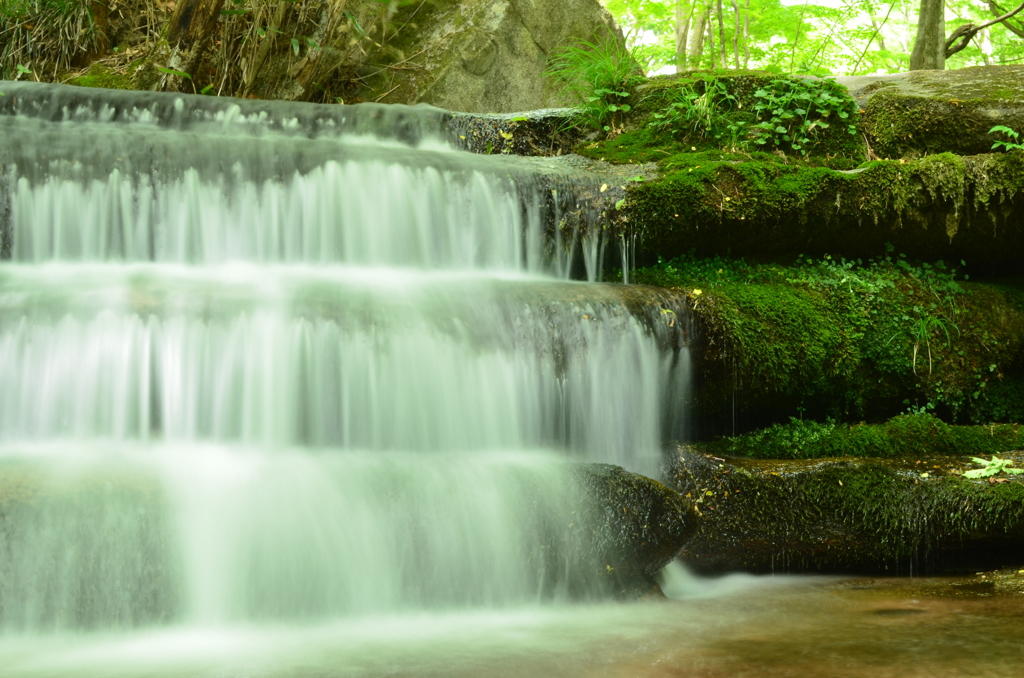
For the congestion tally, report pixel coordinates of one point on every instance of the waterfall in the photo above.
(265, 363)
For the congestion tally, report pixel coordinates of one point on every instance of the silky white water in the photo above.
(268, 370)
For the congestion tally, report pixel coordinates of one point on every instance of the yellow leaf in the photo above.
(505, 135)
(697, 293)
(604, 187)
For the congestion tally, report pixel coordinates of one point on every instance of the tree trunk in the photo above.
(878, 34)
(192, 22)
(736, 34)
(697, 46)
(746, 35)
(721, 36)
(711, 36)
(930, 46)
(684, 12)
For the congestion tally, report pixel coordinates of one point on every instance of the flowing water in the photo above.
(291, 390)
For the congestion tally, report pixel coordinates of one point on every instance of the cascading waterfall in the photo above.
(276, 363)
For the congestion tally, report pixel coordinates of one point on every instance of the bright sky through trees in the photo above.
(837, 37)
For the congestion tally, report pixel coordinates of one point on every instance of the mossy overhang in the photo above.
(763, 351)
(939, 207)
(899, 517)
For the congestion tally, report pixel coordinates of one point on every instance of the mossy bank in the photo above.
(848, 340)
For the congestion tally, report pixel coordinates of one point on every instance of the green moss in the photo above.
(767, 208)
(98, 76)
(848, 340)
(845, 515)
(909, 435)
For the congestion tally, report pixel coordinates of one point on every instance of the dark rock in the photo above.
(910, 516)
(630, 528)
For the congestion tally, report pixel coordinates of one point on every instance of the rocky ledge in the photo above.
(909, 516)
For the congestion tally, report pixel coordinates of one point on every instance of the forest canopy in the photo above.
(830, 37)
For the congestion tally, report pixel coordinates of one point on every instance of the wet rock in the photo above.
(547, 132)
(909, 516)
(629, 529)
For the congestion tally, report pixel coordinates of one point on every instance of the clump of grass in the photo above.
(50, 34)
(600, 77)
(701, 111)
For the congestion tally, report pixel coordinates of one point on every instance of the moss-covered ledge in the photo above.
(846, 340)
(910, 516)
(939, 207)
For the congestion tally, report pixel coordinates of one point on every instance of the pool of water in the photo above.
(738, 626)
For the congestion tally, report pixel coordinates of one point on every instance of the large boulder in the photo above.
(923, 112)
(489, 56)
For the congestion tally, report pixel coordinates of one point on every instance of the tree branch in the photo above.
(963, 35)
(997, 10)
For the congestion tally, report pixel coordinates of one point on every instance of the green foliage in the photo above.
(846, 37)
(848, 336)
(907, 435)
(1014, 143)
(21, 9)
(599, 77)
(992, 467)
(700, 110)
(171, 71)
(792, 112)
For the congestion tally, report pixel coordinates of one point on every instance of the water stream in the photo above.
(296, 365)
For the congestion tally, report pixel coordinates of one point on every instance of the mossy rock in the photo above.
(98, 76)
(485, 56)
(846, 341)
(630, 528)
(912, 516)
(940, 207)
(923, 112)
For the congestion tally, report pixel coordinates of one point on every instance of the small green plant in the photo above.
(600, 77)
(921, 331)
(992, 467)
(700, 111)
(1014, 144)
(790, 113)
(171, 71)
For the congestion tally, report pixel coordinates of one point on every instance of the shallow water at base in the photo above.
(742, 626)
